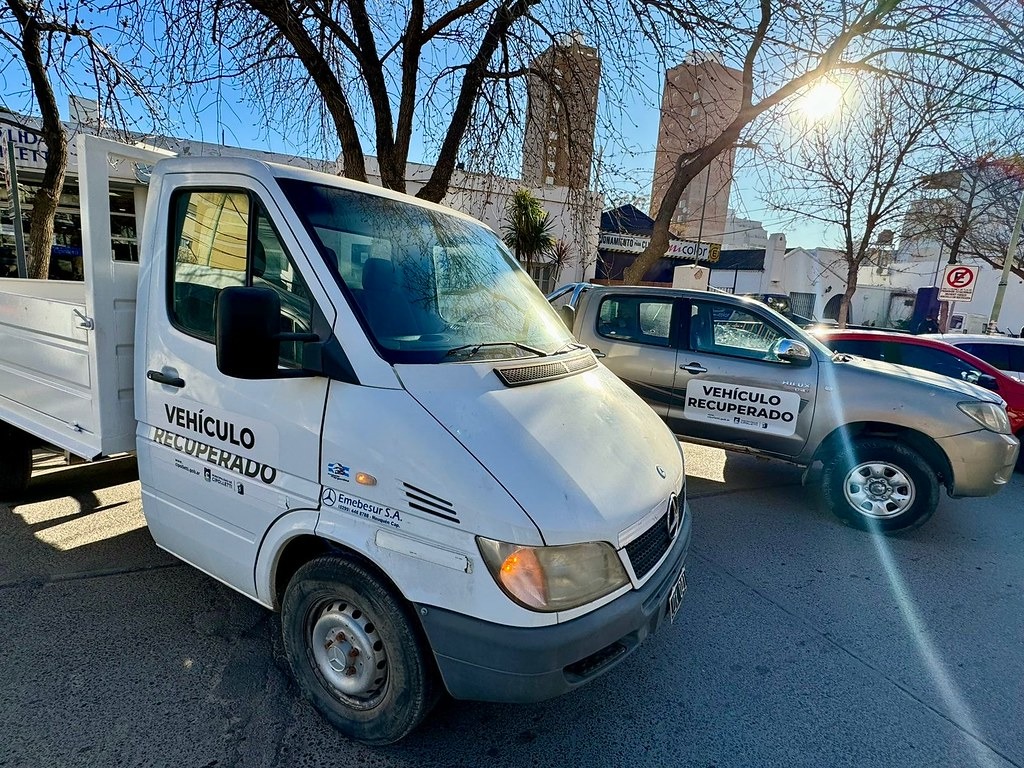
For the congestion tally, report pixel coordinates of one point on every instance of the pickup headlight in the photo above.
(989, 415)
(553, 578)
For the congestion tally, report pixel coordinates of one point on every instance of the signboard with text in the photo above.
(677, 249)
(958, 283)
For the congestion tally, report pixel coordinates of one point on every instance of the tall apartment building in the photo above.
(561, 114)
(701, 96)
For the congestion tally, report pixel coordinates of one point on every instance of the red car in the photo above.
(932, 355)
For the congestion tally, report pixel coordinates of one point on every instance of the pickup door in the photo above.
(708, 368)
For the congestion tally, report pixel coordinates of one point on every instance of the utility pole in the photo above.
(1011, 255)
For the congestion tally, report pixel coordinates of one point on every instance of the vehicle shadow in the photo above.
(75, 520)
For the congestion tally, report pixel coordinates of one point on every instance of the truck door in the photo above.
(733, 387)
(221, 458)
(635, 335)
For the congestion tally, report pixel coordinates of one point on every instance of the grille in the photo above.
(646, 549)
(530, 374)
(427, 502)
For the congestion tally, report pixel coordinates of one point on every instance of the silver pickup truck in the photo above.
(730, 372)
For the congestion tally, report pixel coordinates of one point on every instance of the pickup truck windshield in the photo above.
(430, 287)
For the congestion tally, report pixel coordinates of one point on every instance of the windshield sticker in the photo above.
(367, 510)
(771, 411)
(232, 462)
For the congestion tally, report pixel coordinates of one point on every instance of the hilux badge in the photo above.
(661, 470)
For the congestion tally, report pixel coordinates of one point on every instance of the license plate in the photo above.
(675, 595)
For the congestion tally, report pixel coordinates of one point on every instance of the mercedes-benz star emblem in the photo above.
(674, 516)
(661, 471)
(328, 497)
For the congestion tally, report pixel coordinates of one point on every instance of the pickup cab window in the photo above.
(636, 318)
(724, 329)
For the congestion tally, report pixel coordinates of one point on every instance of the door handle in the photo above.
(693, 368)
(597, 352)
(162, 378)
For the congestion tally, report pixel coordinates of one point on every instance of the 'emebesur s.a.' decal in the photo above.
(368, 510)
(772, 411)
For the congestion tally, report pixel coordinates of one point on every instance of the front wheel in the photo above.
(354, 651)
(880, 485)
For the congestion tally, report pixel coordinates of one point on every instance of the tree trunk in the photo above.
(44, 204)
(853, 267)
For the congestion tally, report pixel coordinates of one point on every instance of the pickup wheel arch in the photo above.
(919, 442)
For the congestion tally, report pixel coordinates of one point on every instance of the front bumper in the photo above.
(483, 661)
(982, 461)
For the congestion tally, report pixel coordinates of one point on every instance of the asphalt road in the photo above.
(801, 643)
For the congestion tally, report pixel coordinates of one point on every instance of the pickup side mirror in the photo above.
(247, 332)
(793, 352)
(568, 315)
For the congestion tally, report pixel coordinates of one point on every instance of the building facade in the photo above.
(561, 115)
(701, 97)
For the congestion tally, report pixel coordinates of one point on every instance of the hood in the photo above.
(579, 454)
(921, 377)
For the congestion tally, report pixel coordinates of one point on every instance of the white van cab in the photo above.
(354, 407)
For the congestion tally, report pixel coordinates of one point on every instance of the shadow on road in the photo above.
(73, 521)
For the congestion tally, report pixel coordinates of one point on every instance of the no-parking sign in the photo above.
(958, 283)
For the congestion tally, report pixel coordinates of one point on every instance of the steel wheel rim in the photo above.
(348, 652)
(879, 490)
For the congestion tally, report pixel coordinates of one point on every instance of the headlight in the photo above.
(989, 415)
(553, 578)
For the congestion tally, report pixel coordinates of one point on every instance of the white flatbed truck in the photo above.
(355, 408)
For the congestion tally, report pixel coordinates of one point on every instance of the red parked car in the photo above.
(933, 355)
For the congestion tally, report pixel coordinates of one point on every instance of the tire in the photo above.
(15, 462)
(904, 493)
(337, 612)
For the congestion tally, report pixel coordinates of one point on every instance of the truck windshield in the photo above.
(430, 287)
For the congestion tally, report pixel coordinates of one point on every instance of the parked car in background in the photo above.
(730, 372)
(1003, 352)
(932, 354)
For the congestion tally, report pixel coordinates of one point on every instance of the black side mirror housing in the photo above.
(248, 324)
(568, 315)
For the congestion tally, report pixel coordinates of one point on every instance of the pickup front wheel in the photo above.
(354, 651)
(880, 485)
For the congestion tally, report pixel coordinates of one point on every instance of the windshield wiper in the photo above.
(471, 349)
(567, 346)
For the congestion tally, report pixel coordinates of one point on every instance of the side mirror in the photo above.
(793, 352)
(248, 332)
(568, 315)
(988, 382)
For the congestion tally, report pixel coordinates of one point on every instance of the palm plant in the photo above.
(527, 228)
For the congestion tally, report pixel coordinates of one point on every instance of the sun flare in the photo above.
(821, 101)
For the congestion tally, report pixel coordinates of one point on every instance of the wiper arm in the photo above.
(569, 345)
(471, 349)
